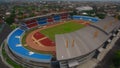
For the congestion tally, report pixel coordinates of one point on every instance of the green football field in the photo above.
(61, 29)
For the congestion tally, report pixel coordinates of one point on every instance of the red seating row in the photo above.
(32, 25)
(50, 20)
(64, 14)
(33, 22)
(30, 21)
(63, 17)
(47, 42)
(38, 35)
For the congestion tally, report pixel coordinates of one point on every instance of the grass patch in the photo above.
(13, 26)
(15, 65)
(61, 29)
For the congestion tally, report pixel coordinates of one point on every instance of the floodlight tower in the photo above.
(95, 33)
(73, 43)
(66, 43)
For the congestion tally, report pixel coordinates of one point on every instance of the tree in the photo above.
(73, 13)
(119, 17)
(101, 16)
(10, 19)
(116, 59)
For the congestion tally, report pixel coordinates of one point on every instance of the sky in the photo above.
(56, 0)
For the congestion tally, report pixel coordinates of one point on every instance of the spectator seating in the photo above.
(56, 17)
(87, 18)
(31, 23)
(16, 47)
(42, 21)
(50, 19)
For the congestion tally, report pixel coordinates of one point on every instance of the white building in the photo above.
(84, 8)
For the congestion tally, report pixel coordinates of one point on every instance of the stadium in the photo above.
(60, 40)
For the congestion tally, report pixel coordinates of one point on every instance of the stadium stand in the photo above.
(28, 22)
(83, 37)
(56, 17)
(106, 25)
(17, 48)
(23, 27)
(50, 19)
(80, 46)
(42, 21)
(87, 18)
(64, 16)
(31, 23)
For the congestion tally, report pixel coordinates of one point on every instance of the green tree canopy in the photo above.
(116, 59)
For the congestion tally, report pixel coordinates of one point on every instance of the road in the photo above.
(106, 62)
(3, 35)
(2, 65)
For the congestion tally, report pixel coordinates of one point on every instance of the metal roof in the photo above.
(118, 24)
(108, 24)
(84, 42)
(44, 15)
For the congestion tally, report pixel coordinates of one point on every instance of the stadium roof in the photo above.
(78, 43)
(45, 15)
(107, 24)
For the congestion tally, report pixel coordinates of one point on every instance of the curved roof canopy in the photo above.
(85, 40)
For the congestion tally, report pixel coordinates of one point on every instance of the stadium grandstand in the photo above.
(71, 49)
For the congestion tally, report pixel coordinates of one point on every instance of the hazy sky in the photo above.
(90, 0)
(60, 0)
